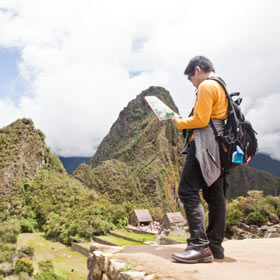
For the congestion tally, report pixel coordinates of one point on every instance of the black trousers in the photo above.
(191, 183)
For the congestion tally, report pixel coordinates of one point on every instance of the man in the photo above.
(202, 168)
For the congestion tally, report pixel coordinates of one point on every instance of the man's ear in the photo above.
(198, 69)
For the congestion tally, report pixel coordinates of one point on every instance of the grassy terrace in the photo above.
(179, 237)
(137, 236)
(118, 241)
(66, 262)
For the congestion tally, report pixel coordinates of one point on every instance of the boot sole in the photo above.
(202, 260)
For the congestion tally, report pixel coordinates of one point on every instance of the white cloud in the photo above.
(78, 59)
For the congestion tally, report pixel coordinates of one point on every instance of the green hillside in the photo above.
(243, 179)
(140, 159)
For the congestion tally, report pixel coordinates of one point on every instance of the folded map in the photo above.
(161, 110)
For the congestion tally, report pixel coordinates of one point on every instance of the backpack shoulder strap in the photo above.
(223, 84)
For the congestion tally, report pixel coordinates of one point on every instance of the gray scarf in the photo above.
(207, 151)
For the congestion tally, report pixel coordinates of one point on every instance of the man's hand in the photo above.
(175, 118)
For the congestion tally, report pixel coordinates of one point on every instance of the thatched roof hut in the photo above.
(140, 217)
(172, 219)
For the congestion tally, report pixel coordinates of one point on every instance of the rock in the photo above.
(98, 263)
(254, 229)
(105, 277)
(90, 277)
(166, 241)
(93, 267)
(238, 233)
(244, 226)
(272, 230)
(132, 275)
(115, 268)
(104, 248)
(264, 228)
(272, 235)
(90, 262)
(149, 277)
(6, 269)
(273, 218)
(270, 224)
(277, 227)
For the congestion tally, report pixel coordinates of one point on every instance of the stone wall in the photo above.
(80, 249)
(124, 237)
(103, 266)
(101, 241)
(244, 231)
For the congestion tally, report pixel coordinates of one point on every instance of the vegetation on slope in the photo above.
(140, 159)
(255, 209)
(22, 153)
(244, 178)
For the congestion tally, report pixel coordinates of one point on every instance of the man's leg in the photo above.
(190, 184)
(215, 197)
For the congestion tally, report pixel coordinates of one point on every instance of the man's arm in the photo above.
(202, 109)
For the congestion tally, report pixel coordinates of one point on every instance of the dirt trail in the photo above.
(250, 259)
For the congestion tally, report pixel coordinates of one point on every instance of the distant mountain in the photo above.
(23, 152)
(36, 194)
(245, 178)
(72, 163)
(140, 158)
(266, 163)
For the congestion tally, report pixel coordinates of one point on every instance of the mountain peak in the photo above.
(148, 150)
(22, 152)
(134, 121)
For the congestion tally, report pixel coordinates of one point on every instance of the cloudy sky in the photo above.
(72, 66)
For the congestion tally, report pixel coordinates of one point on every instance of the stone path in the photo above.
(256, 259)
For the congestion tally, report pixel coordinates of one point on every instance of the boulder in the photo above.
(6, 269)
(272, 235)
(273, 218)
(115, 268)
(244, 226)
(254, 229)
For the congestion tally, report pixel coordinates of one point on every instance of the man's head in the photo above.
(199, 69)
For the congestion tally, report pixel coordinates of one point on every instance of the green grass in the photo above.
(118, 241)
(66, 262)
(137, 236)
(179, 238)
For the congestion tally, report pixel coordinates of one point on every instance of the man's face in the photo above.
(194, 77)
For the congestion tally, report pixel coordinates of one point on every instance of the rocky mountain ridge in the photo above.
(150, 152)
(23, 152)
(145, 153)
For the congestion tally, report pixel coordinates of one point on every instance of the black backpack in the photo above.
(237, 132)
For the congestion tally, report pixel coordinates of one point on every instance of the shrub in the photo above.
(26, 251)
(48, 276)
(7, 252)
(24, 265)
(273, 200)
(234, 217)
(9, 231)
(45, 266)
(29, 225)
(256, 218)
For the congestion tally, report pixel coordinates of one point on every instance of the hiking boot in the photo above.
(219, 255)
(194, 255)
(217, 251)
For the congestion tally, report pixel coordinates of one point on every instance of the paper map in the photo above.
(162, 111)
